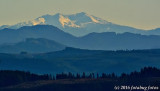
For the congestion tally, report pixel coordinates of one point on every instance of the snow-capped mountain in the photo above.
(77, 24)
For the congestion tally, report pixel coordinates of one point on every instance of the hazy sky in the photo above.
(144, 14)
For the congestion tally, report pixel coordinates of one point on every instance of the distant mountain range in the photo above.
(77, 43)
(92, 41)
(81, 24)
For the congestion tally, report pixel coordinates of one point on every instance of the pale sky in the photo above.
(143, 14)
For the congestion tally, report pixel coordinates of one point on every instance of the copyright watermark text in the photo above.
(135, 88)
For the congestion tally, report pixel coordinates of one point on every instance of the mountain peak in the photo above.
(78, 24)
(78, 20)
(58, 14)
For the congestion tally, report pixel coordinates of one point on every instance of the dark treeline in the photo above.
(84, 76)
(146, 72)
(8, 78)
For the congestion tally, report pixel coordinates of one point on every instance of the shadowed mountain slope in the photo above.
(32, 45)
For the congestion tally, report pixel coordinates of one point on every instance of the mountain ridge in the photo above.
(92, 41)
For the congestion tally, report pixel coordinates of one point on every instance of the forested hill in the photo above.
(78, 60)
